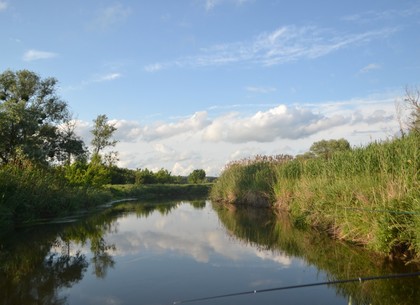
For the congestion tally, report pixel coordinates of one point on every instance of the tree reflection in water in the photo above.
(264, 229)
(36, 262)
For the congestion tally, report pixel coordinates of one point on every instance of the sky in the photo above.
(195, 84)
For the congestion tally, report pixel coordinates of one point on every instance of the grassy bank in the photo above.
(29, 194)
(368, 195)
(160, 191)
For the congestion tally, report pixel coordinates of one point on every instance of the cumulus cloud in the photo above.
(266, 126)
(165, 130)
(32, 55)
(127, 131)
(283, 45)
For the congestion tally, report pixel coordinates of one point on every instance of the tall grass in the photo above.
(368, 195)
(248, 182)
(31, 193)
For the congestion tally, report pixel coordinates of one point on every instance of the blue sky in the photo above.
(197, 83)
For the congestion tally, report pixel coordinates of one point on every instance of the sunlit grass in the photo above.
(368, 195)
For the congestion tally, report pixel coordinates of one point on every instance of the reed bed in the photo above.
(367, 195)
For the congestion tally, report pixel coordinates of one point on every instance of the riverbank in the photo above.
(369, 196)
(30, 194)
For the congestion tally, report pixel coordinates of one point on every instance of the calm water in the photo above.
(137, 253)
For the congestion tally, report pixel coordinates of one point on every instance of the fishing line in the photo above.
(359, 279)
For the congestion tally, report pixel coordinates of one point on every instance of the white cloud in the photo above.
(165, 130)
(281, 122)
(370, 67)
(210, 139)
(3, 5)
(127, 131)
(108, 77)
(283, 45)
(32, 55)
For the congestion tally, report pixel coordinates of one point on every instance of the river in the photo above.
(161, 253)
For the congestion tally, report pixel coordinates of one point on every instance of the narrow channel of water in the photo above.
(149, 253)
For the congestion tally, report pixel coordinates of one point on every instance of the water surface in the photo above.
(148, 253)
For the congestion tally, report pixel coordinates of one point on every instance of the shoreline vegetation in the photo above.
(369, 196)
(29, 195)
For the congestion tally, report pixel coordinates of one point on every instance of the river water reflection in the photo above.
(148, 253)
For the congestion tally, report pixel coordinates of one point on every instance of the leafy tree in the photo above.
(102, 134)
(326, 148)
(71, 146)
(163, 176)
(197, 176)
(31, 114)
(412, 101)
(94, 173)
(145, 176)
(122, 175)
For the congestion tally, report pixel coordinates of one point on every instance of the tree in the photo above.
(86, 174)
(102, 134)
(70, 146)
(326, 148)
(31, 114)
(163, 176)
(197, 176)
(412, 100)
(145, 176)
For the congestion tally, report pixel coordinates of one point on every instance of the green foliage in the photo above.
(146, 176)
(367, 195)
(246, 182)
(94, 173)
(33, 120)
(326, 148)
(122, 175)
(163, 176)
(197, 176)
(159, 191)
(30, 193)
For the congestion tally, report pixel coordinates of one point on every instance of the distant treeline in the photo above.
(120, 175)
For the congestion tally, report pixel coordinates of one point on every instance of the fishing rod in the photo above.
(359, 279)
